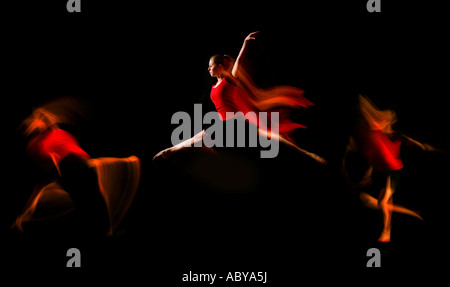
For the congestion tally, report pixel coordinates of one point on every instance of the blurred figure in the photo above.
(380, 145)
(235, 91)
(100, 190)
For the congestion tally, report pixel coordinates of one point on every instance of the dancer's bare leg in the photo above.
(185, 144)
(371, 202)
(290, 144)
(199, 137)
(384, 202)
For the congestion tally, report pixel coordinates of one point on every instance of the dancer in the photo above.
(380, 146)
(101, 190)
(236, 92)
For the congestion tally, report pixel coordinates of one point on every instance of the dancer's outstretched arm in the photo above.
(237, 67)
(423, 146)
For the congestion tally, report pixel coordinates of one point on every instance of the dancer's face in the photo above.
(214, 69)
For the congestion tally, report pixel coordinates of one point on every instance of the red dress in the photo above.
(229, 98)
(380, 150)
(225, 97)
(55, 144)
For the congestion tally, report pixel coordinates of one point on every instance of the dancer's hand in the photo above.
(251, 36)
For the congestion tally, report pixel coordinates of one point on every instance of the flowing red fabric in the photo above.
(379, 143)
(118, 180)
(243, 96)
(55, 144)
(380, 150)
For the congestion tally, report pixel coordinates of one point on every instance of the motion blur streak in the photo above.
(48, 202)
(100, 190)
(278, 98)
(380, 146)
(118, 180)
(371, 202)
(377, 140)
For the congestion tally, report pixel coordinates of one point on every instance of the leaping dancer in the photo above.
(380, 145)
(235, 91)
(100, 190)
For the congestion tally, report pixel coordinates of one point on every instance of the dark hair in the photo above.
(226, 61)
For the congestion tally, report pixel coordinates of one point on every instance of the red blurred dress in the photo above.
(55, 144)
(381, 150)
(379, 143)
(227, 97)
(81, 181)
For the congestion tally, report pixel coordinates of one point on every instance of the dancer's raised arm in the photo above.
(237, 68)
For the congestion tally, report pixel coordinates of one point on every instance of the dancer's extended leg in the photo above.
(371, 202)
(278, 137)
(384, 201)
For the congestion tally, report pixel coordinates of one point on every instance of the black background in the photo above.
(136, 64)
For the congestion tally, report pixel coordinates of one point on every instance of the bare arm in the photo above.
(423, 146)
(238, 63)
